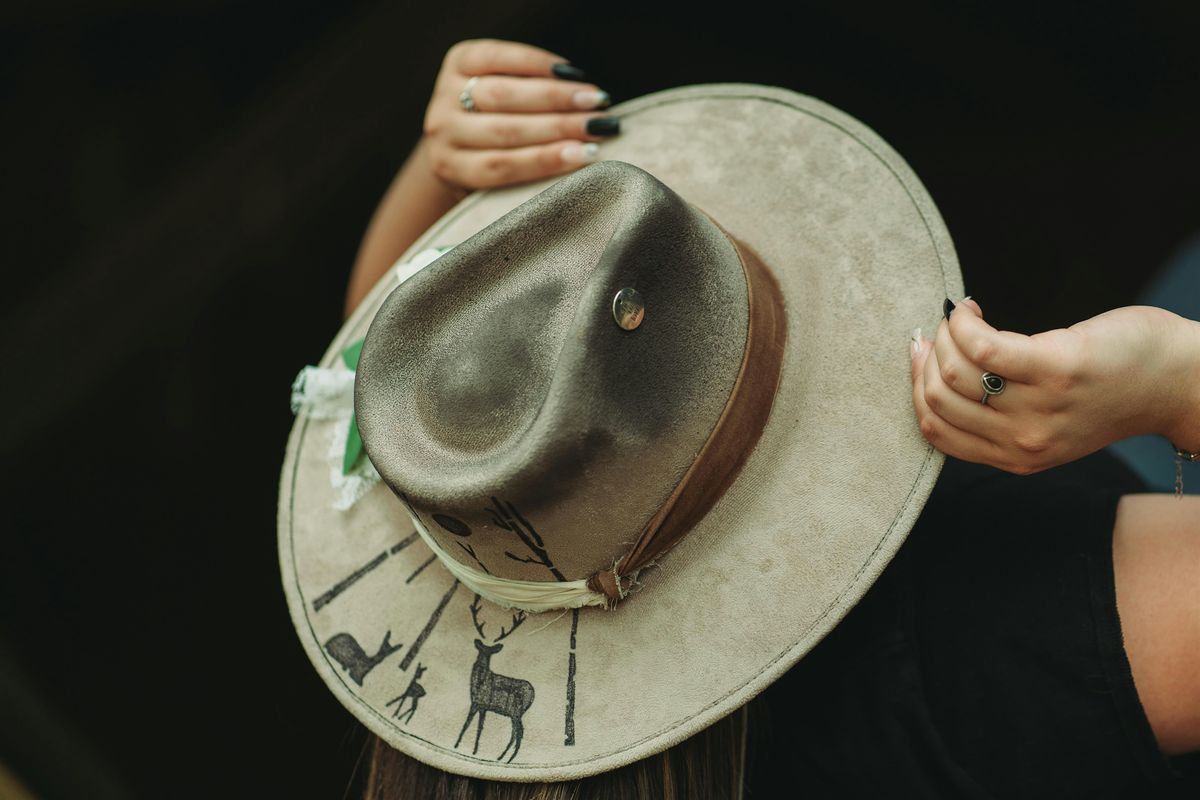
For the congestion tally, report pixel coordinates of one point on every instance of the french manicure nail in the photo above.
(915, 340)
(947, 307)
(578, 153)
(589, 99)
(567, 72)
(603, 126)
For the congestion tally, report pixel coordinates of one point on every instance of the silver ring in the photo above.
(993, 384)
(464, 97)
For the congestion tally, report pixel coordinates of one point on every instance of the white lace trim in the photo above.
(349, 487)
(328, 394)
(323, 393)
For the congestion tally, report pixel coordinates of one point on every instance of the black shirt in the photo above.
(986, 661)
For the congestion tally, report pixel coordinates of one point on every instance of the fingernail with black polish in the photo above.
(947, 307)
(603, 126)
(567, 72)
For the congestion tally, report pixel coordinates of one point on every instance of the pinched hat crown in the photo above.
(538, 431)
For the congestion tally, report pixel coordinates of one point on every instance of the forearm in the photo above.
(1182, 425)
(413, 202)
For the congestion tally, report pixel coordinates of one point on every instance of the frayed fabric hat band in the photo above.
(531, 596)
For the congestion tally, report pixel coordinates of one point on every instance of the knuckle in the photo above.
(441, 163)
(1032, 442)
(495, 93)
(486, 51)
(506, 133)
(933, 397)
(497, 168)
(982, 352)
(949, 372)
(929, 429)
(1020, 468)
(1062, 382)
(433, 125)
(460, 51)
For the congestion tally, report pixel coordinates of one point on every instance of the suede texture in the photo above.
(499, 372)
(822, 503)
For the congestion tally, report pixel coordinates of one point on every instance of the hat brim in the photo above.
(822, 504)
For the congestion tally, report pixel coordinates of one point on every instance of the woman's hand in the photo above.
(533, 118)
(528, 122)
(1068, 392)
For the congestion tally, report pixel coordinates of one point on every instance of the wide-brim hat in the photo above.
(514, 440)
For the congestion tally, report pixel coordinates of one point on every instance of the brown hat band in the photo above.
(732, 439)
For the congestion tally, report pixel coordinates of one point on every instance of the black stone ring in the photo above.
(992, 385)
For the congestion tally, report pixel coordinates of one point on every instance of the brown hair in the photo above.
(710, 765)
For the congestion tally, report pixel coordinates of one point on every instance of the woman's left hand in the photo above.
(539, 118)
(1068, 392)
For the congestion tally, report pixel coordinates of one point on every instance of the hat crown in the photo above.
(530, 433)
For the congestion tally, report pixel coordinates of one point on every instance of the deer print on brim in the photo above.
(501, 695)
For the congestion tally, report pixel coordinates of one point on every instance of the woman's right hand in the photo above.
(1069, 392)
(528, 122)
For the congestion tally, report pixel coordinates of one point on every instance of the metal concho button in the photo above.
(628, 308)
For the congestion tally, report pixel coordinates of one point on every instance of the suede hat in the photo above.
(632, 441)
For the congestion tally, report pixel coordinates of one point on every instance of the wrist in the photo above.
(445, 192)
(1182, 426)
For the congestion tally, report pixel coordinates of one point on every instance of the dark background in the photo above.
(185, 186)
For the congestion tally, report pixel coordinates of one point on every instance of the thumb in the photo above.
(970, 303)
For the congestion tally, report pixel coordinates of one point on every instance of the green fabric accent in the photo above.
(350, 354)
(354, 448)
